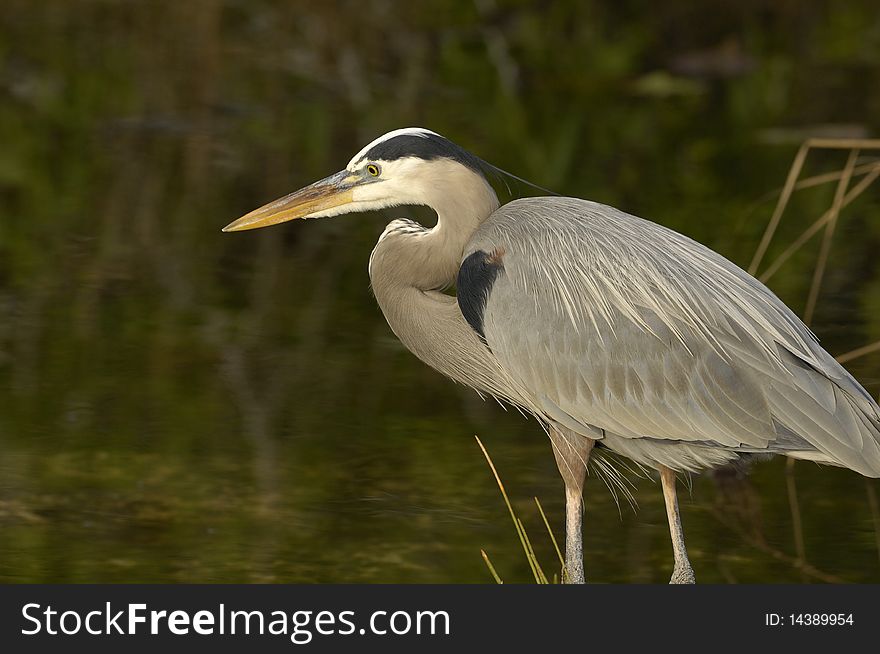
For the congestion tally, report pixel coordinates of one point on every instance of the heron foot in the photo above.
(683, 575)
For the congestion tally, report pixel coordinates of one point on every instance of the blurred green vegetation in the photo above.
(178, 404)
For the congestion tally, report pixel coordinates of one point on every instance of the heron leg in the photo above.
(572, 451)
(682, 573)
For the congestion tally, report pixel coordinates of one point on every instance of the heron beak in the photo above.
(321, 196)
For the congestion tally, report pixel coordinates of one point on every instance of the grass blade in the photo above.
(523, 539)
(491, 567)
(552, 538)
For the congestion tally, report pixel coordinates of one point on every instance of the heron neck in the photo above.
(436, 254)
(407, 270)
(430, 325)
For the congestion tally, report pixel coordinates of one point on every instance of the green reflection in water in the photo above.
(181, 405)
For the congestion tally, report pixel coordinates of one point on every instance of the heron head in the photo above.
(411, 166)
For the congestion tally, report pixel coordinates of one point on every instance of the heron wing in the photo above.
(619, 324)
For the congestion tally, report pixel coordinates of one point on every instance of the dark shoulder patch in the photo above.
(475, 280)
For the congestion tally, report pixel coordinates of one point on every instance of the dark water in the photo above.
(181, 405)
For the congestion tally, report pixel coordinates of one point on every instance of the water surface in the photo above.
(181, 405)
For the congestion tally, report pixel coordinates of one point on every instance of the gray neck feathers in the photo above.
(409, 267)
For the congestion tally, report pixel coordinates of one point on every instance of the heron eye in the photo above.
(373, 170)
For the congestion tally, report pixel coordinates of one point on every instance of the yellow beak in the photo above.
(331, 192)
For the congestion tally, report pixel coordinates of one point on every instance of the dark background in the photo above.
(182, 405)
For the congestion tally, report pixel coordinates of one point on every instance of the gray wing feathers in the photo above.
(626, 327)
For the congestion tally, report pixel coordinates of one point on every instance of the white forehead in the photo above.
(411, 131)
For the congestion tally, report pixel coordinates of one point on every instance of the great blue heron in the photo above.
(609, 329)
